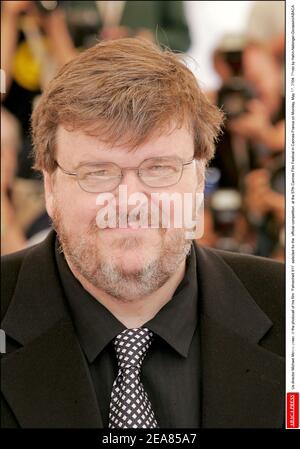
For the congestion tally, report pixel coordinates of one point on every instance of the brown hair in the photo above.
(123, 91)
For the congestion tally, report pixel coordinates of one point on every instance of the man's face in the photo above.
(125, 262)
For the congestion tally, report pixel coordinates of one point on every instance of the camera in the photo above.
(234, 96)
(225, 205)
(235, 92)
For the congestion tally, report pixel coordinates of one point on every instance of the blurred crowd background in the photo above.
(236, 50)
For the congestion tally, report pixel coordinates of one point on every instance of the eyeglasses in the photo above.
(107, 176)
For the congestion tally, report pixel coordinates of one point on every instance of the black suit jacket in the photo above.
(45, 378)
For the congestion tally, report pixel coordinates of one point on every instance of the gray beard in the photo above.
(107, 276)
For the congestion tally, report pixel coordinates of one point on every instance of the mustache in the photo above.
(142, 216)
(125, 219)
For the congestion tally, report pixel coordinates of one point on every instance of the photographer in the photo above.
(251, 97)
(265, 206)
(12, 236)
(34, 44)
(41, 30)
(253, 139)
(263, 122)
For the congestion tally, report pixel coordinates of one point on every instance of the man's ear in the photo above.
(49, 191)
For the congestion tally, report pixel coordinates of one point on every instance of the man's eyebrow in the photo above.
(158, 156)
(89, 162)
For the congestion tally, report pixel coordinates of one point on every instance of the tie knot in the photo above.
(131, 346)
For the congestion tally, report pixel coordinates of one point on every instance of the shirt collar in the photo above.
(96, 326)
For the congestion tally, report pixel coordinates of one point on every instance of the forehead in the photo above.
(75, 147)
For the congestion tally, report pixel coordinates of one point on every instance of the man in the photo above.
(132, 326)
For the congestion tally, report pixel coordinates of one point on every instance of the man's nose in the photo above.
(133, 182)
(137, 195)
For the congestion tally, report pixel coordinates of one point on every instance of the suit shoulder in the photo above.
(263, 278)
(246, 265)
(254, 269)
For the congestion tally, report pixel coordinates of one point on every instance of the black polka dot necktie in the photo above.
(130, 406)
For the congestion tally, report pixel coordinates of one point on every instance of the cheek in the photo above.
(77, 211)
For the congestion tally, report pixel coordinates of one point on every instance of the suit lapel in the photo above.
(242, 383)
(47, 381)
